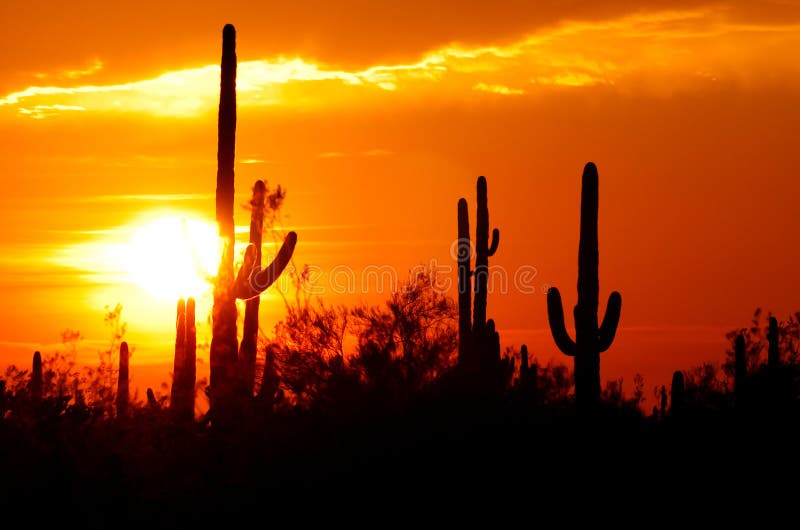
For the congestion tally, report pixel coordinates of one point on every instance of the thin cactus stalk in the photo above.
(185, 364)
(739, 368)
(463, 256)
(249, 345)
(523, 364)
(590, 339)
(528, 374)
(36, 378)
(123, 380)
(483, 251)
(251, 280)
(677, 394)
(774, 351)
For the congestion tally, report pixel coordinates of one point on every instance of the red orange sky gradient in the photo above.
(376, 119)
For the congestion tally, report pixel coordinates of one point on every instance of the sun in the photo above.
(173, 256)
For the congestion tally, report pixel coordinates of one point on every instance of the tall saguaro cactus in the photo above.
(251, 280)
(224, 340)
(463, 257)
(591, 339)
(123, 381)
(476, 343)
(184, 372)
(483, 251)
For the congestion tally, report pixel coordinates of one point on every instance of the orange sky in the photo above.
(377, 119)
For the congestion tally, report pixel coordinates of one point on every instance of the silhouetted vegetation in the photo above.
(406, 399)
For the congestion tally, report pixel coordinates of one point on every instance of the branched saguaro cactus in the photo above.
(184, 372)
(251, 281)
(483, 251)
(248, 347)
(36, 378)
(475, 342)
(591, 339)
(123, 381)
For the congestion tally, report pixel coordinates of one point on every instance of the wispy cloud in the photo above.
(76, 73)
(651, 51)
(38, 112)
(498, 89)
(331, 154)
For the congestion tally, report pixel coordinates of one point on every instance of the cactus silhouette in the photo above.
(523, 364)
(590, 339)
(483, 251)
(774, 351)
(251, 280)
(677, 394)
(528, 374)
(477, 346)
(123, 382)
(152, 402)
(36, 378)
(739, 368)
(247, 349)
(463, 257)
(185, 366)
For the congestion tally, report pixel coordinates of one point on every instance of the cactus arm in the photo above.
(608, 329)
(555, 316)
(242, 285)
(253, 281)
(495, 242)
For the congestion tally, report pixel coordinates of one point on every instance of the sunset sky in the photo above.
(376, 119)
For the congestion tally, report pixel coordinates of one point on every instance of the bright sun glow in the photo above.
(173, 257)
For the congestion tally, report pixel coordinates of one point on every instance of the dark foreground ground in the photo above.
(460, 458)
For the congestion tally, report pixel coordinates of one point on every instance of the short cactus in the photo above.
(185, 365)
(123, 381)
(36, 378)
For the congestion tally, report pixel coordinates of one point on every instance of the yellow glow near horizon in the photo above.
(173, 257)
